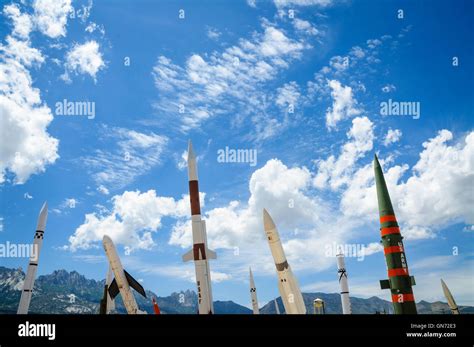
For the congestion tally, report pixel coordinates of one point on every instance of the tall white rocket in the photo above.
(253, 294)
(342, 275)
(27, 292)
(288, 286)
(199, 253)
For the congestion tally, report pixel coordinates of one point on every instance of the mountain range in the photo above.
(64, 292)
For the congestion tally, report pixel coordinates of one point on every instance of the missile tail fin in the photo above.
(188, 255)
(211, 254)
(385, 284)
(134, 284)
(113, 289)
(413, 282)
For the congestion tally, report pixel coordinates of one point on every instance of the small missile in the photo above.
(123, 280)
(288, 286)
(399, 280)
(199, 253)
(277, 309)
(29, 282)
(156, 309)
(107, 304)
(447, 293)
(253, 294)
(342, 274)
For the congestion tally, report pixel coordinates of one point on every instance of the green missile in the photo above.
(399, 280)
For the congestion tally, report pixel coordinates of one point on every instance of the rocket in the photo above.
(33, 264)
(447, 293)
(199, 253)
(107, 304)
(123, 280)
(399, 280)
(287, 285)
(277, 309)
(156, 309)
(342, 274)
(253, 294)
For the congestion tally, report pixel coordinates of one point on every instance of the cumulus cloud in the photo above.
(213, 33)
(22, 23)
(304, 26)
(134, 217)
(51, 16)
(392, 136)
(288, 94)
(335, 172)
(439, 190)
(344, 105)
(84, 59)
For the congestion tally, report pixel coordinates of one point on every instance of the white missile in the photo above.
(253, 294)
(199, 253)
(447, 293)
(342, 274)
(29, 282)
(288, 286)
(277, 309)
(122, 281)
(108, 281)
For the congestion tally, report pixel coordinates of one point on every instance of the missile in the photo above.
(399, 280)
(342, 274)
(156, 309)
(29, 282)
(277, 309)
(447, 293)
(288, 286)
(123, 280)
(253, 294)
(199, 253)
(107, 304)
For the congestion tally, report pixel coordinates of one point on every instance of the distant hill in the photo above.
(65, 292)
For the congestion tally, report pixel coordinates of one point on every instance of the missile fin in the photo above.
(211, 254)
(113, 289)
(413, 282)
(385, 284)
(134, 284)
(188, 255)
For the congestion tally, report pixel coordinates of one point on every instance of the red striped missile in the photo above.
(123, 280)
(156, 309)
(288, 286)
(199, 253)
(447, 293)
(29, 282)
(399, 280)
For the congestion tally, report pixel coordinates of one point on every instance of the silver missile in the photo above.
(29, 282)
(123, 280)
(288, 286)
(451, 303)
(342, 275)
(253, 294)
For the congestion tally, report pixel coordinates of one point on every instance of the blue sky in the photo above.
(300, 82)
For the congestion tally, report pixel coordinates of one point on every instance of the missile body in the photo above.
(107, 304)
(29, 282)
(253, 294)
(277, 309)
(122, 281)
(156, 309)
(399, 280)
(288, 286)
(447, 293)
(342, 274)
(199, 253)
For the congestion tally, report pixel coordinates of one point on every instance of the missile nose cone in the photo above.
(268, 223)
(192, 167)
(106, 239)
(43, 216)
(376, 161)
(191, 154)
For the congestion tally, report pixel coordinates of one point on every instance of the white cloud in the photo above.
(336, 172)
(22, 23)
(288, 94)
(227, 81)
(84, 59)
(213, 33)
(289, 3)
(103, 190)
(135, 155)
(252, 3)
(51, 16)
(27, 146)
(438, 192)
(392, 136)
(344, 105)
(304, 26)
(134, 218)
